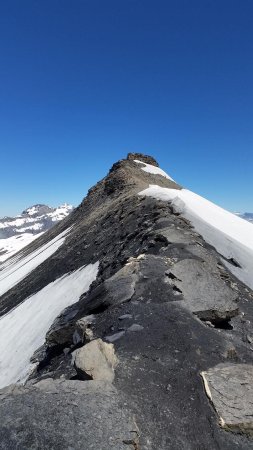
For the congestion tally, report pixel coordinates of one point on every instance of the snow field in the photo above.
(13, 270)
(23, 329)
(153, 169)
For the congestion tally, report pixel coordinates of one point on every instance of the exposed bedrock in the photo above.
(66, 415)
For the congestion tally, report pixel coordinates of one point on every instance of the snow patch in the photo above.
(35, 227)
(31, 211)
(153, 169)
(229, 234)
(23, 330)
(11, 245)
(16, 270)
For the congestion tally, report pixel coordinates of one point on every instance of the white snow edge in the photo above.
(10, 246)
(153, 169)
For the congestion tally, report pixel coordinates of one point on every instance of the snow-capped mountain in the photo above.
(34, 220)
(17, 232)
(246, 216)
(131, 317)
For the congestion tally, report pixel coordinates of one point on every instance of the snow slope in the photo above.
(15, 270)
(23, 330)
(153, 169)
(230, 235)
(13, 244)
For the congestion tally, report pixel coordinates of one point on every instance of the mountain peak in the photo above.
(17, 232)
(129, 175)
(39, 208)
(143, 158)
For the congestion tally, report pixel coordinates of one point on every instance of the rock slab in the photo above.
(230, 388)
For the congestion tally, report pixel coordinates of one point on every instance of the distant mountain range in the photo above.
(247, 216)
(17, 232)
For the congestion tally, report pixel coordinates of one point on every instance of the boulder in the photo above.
(97, 359)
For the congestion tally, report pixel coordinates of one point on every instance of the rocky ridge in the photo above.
(128, 360)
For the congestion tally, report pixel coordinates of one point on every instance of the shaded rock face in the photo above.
(164, 300)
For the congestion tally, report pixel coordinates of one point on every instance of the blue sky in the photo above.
(84, 82)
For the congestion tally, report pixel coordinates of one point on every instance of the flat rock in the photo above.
(114, 337)
(230, 389)
(135, 327)
(125, 316)
(63, 415)
(204, 292)
(174, 236)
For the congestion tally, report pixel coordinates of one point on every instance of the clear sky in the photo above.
(83, 82)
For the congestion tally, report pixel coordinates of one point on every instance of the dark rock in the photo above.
(145, 158)
(115, 337)
(125, 316)
(63, 415)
